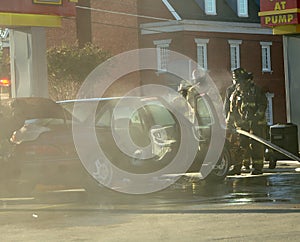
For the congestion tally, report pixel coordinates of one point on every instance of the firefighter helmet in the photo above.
(198, 75)
(184, 85)
(240, 74)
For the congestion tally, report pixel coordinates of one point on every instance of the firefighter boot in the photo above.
(236, 170)
(246, 164)
(257, 167)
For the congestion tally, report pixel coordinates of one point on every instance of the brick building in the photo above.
(219, 35)
(113, 27)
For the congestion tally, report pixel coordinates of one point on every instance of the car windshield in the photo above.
(46, 121)
(160, 114)
(106, 109)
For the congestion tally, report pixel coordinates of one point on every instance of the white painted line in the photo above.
(16, 199)
(69, 190)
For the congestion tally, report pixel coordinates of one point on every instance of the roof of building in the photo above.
(226, 11)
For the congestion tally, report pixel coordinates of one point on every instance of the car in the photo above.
(155, 121)
(138, 135)
(34, 132)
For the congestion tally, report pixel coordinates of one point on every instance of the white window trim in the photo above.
(159, 45)
(240, 14)
(203, 44)
(213, 11)
(267, 46)
(171, 9)
(269, 111)
(235, 44)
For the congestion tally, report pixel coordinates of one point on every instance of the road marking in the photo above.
(68, 190)
(5, 199)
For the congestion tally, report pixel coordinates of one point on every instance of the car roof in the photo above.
(142, 98)
(14, 111)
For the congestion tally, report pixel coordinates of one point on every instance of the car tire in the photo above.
(221, 169)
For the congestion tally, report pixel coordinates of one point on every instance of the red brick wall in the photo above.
(115, 32)
(63, 35)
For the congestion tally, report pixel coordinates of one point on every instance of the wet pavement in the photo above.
(275, 186)
(242, 208)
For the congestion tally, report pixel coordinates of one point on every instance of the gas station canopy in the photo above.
(42, 13)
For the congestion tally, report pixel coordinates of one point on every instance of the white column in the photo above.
(28, 62)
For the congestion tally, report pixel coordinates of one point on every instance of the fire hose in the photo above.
(269, 144)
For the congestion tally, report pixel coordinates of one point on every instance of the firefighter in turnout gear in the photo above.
(188, 90)
(228, 94)
(232, 136)
(247, 109)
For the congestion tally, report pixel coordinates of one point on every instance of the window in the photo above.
(234, 53)
(242, 6)
(269, 111)
(266, 56)
(210, 7)
(162, 47)
(202, 52)
(160, 115)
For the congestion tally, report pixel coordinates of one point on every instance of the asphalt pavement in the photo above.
(197, 223)
(142, 220)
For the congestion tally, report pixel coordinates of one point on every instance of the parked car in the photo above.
(34, 134)
(45, 155)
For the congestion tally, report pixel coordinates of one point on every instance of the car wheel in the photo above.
(221, 168)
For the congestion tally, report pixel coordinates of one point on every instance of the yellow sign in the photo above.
(15, 19)
(275, 13)
(279, 19)
(54, 2)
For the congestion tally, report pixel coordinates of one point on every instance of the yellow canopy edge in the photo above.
(287, 29)
(278, 12)
(20, 19)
